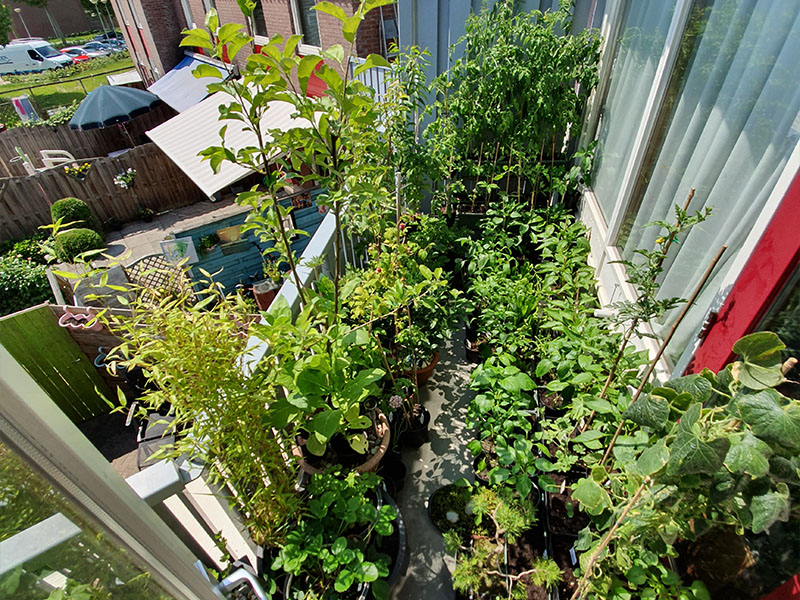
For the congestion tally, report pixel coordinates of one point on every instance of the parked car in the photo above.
(99, 48)
(108, 36)
(30, 56)
(76, 53)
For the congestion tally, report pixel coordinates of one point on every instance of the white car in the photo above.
(30, 56)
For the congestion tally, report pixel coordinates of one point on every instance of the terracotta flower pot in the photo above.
(424, 373)
(371, 464)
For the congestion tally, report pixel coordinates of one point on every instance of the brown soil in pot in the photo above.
(521, 555)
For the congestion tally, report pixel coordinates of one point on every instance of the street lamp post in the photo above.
(100, 16)
(108, 16)
(24, 24)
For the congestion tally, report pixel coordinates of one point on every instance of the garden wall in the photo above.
(81, 144)
(159, 185)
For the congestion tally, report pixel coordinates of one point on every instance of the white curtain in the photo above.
(729, 134)
(639, 49)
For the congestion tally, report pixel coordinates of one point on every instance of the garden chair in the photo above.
(54, 158)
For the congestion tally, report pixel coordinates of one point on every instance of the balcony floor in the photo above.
(440, 461)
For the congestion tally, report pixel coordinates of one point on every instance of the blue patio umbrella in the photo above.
(111, 104)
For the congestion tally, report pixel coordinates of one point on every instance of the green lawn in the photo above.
(52, 89)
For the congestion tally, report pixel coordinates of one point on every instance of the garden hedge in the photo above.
(23, 283)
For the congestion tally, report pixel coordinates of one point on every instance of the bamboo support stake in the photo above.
(664, 344)
(635, 322)
(478, 174)
(580, 590)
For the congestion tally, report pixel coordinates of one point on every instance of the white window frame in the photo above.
(303, 48)
(32, 425)
(611, 277)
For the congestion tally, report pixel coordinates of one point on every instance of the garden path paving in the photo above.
(441, 460)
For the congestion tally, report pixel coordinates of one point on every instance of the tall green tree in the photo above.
(5, 24)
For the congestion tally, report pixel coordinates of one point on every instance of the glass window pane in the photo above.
(727, 128)
(638, 51)
(308, 18)
(46, 545)
(259, 23)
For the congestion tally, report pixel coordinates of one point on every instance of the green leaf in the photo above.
(368, 571)
(343, 581)
(696, 385)
(770, 507)
(349, 27)
(326, 423)
(517, 383)
(588, 436)
(331, 9)
(591, 496)
(339, 544)
(196, 38)
(748, 454)
(649, 411)
(585, 361)
(314, 446)
(653, 459)
(358, 442)
(543, 367)
(636, 575)
(690, 455)
(761, 360)
(335, 52)
(769, 420)
(600, 406)
(380, 589)
(373, 60)
(581, 378)
(304, 70)
(212, 19)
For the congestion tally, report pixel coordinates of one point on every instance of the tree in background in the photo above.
(5, 24)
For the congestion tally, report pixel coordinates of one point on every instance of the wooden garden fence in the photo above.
(81, 144)
(56, 362)
(159, 185)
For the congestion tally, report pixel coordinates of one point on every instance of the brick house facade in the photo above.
(152, 28)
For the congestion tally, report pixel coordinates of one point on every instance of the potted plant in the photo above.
(332, 553)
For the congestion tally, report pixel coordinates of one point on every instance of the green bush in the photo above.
(30, 249)
(22, 284)
(73, 242)
(76, 211)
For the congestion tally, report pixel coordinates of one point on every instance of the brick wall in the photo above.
(155, 48)
(154, 45)
(68, 14)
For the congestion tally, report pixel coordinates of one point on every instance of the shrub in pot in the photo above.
(331, 550)
(72, 243)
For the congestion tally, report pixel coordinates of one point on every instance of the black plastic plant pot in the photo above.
(400, 564)
(393, 471)
(417, 432)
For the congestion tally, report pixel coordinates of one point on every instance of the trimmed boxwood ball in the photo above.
(75, 211)
(73, 242)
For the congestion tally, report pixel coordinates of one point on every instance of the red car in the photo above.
(76, 53)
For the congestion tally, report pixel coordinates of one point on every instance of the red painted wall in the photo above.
(772, 263)
(788, 591)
